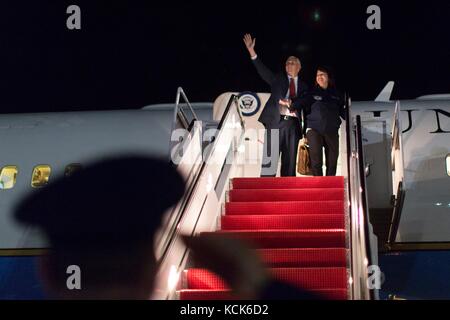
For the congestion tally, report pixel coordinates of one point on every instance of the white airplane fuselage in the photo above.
(60, 139)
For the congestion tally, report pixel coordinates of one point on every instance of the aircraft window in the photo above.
(40, 177)
(447, 162)
(8, 177)
(72, 168)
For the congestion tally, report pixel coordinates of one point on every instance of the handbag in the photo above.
(303, 160)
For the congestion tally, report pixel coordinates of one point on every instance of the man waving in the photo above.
(280, 114)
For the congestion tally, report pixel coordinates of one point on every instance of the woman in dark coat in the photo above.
(324, 106)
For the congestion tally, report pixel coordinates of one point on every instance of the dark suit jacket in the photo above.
(279, 85)
(322, 109)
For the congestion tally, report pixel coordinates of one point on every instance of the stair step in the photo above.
(224, 294)
(201, 294)
(254, 195)
(304, 257)
(304, 278)
(255, 222)
(311, 238)
(286, 207)
(287, 183)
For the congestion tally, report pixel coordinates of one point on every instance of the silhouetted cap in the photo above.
(118, 200)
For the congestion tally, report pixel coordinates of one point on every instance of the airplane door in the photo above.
(376, 143)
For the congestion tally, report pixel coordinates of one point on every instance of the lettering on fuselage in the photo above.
(445, 113)
(439, 114)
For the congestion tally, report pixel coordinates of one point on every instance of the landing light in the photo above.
(438, 204)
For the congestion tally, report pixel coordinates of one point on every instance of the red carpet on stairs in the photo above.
(298, 227)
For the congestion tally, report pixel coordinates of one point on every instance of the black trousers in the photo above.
(317, 141)
(289, 133)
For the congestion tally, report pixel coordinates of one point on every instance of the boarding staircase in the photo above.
(298, 227)
(311, 232)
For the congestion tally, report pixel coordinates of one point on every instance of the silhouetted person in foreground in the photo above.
(103, 219)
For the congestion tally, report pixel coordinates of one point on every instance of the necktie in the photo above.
(292, 89)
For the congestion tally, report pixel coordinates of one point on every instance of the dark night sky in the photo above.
(133, 53)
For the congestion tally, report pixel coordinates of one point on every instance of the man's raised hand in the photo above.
(250, 44)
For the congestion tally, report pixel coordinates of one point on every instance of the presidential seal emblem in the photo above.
(249, 103)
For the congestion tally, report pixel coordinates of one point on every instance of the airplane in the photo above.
(36, 148)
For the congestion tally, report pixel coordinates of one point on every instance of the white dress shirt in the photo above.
(284, 111)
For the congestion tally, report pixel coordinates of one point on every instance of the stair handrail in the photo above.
(348, 134)
(397, 176)
(190, 132)
(363, 193)
(360, 242)
(180, 211)
(178, 106)
(180, 115)
(396, 215)
(193, 178)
